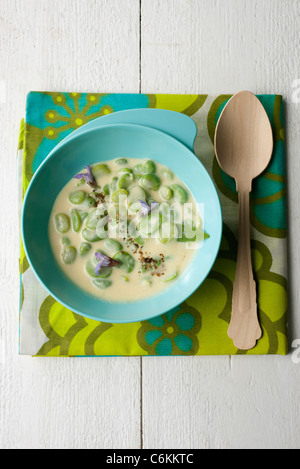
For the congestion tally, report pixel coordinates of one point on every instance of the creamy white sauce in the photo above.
(136, 285)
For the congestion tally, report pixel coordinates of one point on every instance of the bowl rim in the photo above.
(59, 147)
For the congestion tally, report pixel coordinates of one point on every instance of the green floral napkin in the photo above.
(199, 325)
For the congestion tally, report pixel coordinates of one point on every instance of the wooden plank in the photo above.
(220, 403)
(214, 47)
(58, 45)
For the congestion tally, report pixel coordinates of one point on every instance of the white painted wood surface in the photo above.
(211, 46)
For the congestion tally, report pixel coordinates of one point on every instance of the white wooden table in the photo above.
(182, 46)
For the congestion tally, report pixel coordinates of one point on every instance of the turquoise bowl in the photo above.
(101, 144)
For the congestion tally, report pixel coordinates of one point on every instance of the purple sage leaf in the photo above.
(146, 209)
(104, 261)
(88, 177)
(154, 205)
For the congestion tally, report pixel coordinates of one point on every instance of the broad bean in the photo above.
(76, 220)
(148, 167)
(104, 272)
(84, 249)
(166, 193)
(179, 193)
(62, 222)
(66, 241)
(113, 245)
(90, 235)
(92, 219)
(106, 189)
(119, 195)
(102, 283)
(125, 170)
(126, 260)
(77, 197)
(125, 181)
(121, 161)
(89, 201)
(83, 216)
(100, 170)
(91, 265)
(150, 182)
(68, 255)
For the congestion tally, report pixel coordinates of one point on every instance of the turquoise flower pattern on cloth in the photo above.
(174, 333)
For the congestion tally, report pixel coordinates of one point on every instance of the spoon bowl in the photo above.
(243, 148)
(243, 138)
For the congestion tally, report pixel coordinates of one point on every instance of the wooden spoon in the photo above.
(243, 147)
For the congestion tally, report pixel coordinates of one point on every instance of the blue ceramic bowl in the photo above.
(110, 142)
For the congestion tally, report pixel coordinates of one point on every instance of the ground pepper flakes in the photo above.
(151, 264)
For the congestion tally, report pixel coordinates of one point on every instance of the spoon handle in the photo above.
(244, 327)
